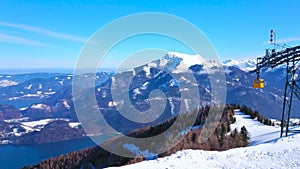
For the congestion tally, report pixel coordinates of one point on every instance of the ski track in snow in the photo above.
(259, 133)
(266, 150)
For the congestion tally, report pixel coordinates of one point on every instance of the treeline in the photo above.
(253, 114)
(221, 138)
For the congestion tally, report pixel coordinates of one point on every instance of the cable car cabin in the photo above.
(258, 83)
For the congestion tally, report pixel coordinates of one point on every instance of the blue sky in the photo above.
(51, 34)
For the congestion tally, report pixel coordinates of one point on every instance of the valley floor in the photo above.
(266, 150)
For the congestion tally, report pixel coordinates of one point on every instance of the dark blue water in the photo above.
(13, 157)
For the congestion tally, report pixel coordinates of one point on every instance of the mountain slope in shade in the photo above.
(266, 150)
(9, 112)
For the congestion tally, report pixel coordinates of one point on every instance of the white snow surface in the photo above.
(74, 124)
(259, 133)
(39, 124)
(135, 149)
(147, 70)
(245, 65)
(184, 61)
(33, 124)
(266, 150)
(6, 83)
(40, 106)
(188, 60)
(66, 104)
(29, 87)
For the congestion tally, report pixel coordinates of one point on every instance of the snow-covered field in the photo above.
(29, 126)
(259, 133)
(266, 150)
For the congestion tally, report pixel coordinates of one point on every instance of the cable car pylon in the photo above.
(289, 56)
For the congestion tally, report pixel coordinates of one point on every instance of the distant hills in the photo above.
(245, 65)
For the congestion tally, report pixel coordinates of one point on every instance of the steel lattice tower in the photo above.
(290, 57)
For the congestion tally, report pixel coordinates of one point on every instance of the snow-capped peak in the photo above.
(184, 61)
(245, 65)
(188, 60)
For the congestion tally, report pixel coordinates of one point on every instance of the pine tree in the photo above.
(245, 134)
(228, 127)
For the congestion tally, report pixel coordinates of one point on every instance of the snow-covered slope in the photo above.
(259, 133)
(6, 83)
(178, 62)
(266, 150)
(184, 61)
(245, 65)
(190, 60)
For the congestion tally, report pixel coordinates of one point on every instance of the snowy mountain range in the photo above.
(40, 96)
(245, 65)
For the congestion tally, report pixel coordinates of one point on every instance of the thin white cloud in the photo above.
(286, 40)
(43, 31)
(19, 40)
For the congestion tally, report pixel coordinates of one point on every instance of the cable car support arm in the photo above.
(272, 59)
